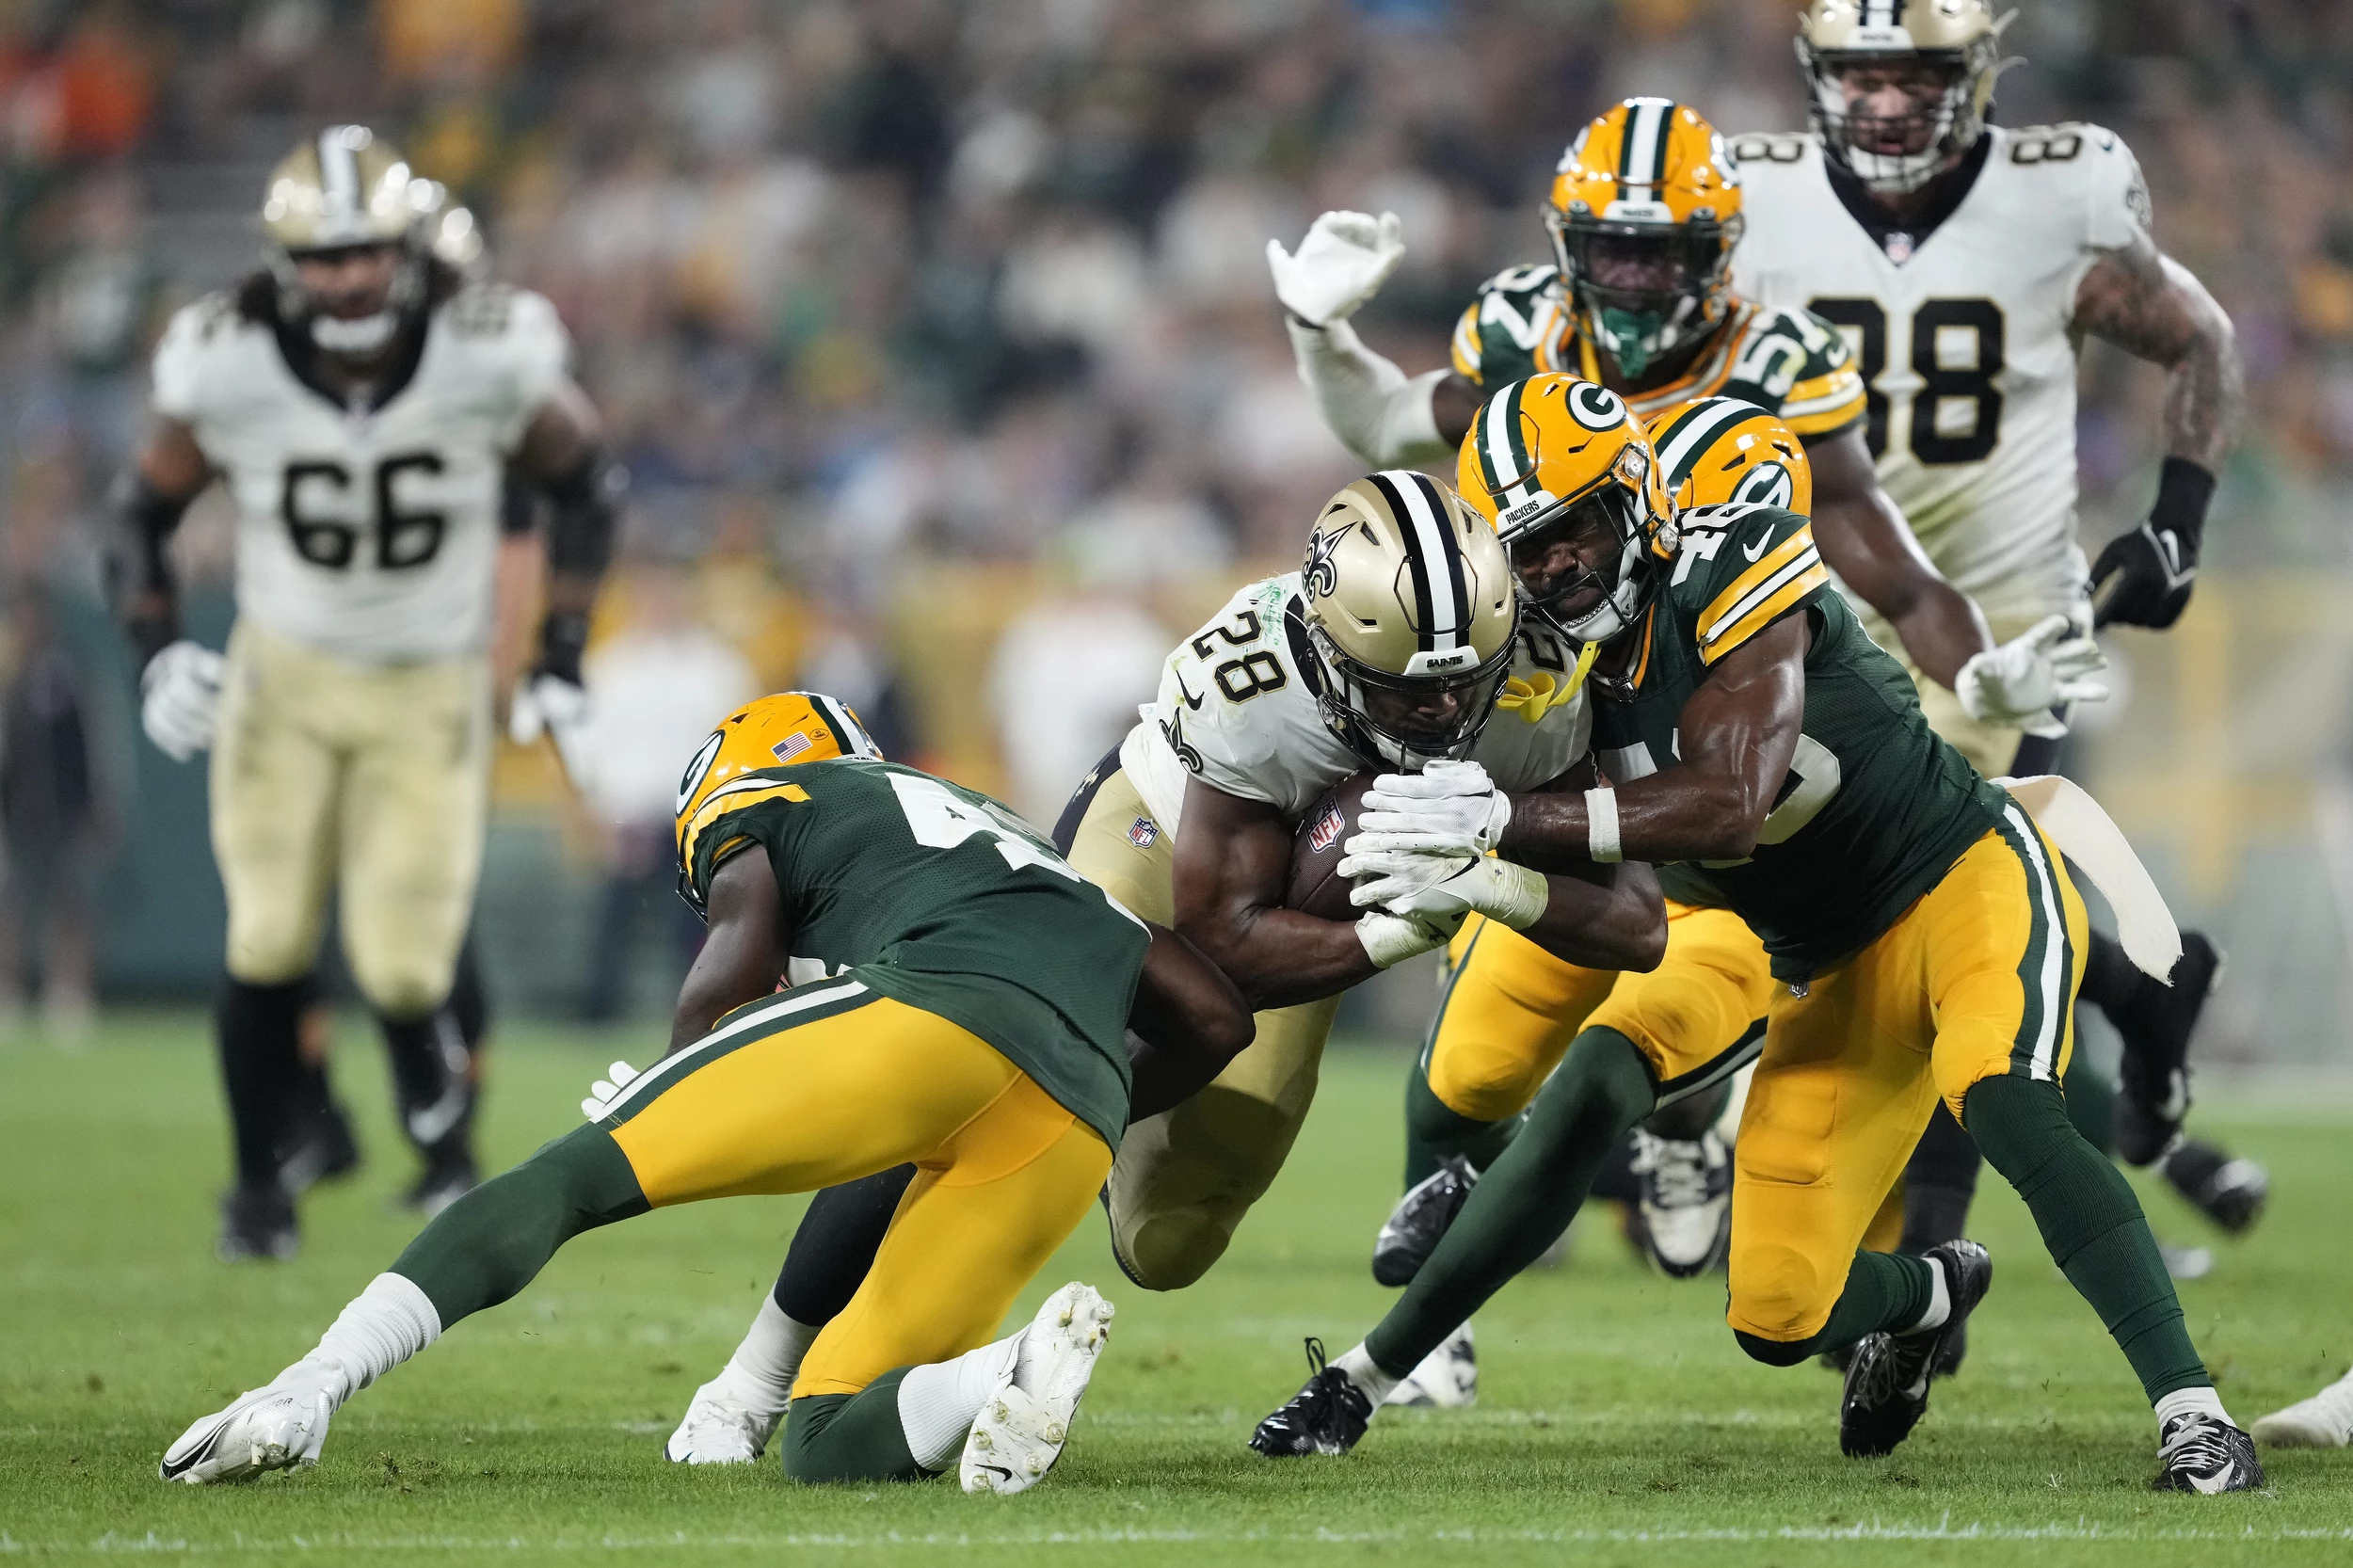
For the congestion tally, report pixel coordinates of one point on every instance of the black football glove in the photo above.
(2144, 578)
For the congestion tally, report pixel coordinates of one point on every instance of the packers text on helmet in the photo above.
(1410, 614)
(1561, 469)
(1900, 88)
(727, 770)
(1645, 209)
(1717, 451)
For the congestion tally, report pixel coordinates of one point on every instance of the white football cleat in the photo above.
(1686, 1200)
(1021, 1428)
(1447, 1378)
(2323, 1421)
(274, 1428)
(720, 1426)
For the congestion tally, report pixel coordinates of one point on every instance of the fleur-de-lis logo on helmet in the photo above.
(1321, 574)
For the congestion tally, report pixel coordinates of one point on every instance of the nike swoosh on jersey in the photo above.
(1752, 551)
(1192, 703)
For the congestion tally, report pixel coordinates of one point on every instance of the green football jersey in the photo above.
(946, 901)
(1876, 807)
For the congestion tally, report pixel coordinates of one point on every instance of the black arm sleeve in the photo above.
(139, 586)
(584, 505)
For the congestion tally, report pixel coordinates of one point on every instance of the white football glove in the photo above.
(1499, 889)
(603, 1093)
(182, 687)
(550, 704)
(2055, 664)
(1342, 263)
(1448, 808)
(1392, 939)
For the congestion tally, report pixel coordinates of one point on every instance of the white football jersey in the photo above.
(370, 534)
(1966, 343)
(1238, 709)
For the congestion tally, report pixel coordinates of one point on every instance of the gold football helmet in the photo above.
(1715, 451)
(1645, 210)
(1942, 56)
(777, 731)
(345, 189)
(1410, 616)
(1560, 467)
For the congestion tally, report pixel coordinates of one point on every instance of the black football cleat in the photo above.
(257, 1220)
(1327, 1416)
(1411, 1232)
(2203, 1453)
(2229, 1192)
(1887, 1382)
(2153, 1076)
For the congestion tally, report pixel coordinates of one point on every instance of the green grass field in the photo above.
(1618, 1424)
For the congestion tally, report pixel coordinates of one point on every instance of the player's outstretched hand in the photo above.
(603, 1093)
(2053, 664)
(1454, 803)
(181, 698)
(1342, 263)
(547, 703)
(2154, 570)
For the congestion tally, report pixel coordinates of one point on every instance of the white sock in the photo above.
(1940, 1302)
(385, 1324)
(2186, 1401)
(938, 1403)
(1366, 1375)
(764, 1367)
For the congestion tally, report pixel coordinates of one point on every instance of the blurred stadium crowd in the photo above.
(937, 336)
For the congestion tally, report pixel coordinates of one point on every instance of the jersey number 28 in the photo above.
(402, 538)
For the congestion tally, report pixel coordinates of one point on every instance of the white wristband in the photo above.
(1601, 825)
(1390, 939)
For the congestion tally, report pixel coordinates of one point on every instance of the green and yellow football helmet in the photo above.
(781, 730)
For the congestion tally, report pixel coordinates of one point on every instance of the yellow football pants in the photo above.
(832, 1082)
(1511, 1009)
(1185, 1178)
(370, 779)
(1978, 978)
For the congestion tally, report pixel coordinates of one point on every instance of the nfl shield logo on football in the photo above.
(1327, 828)
(1144, 832)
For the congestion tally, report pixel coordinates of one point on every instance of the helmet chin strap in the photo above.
(363, 335)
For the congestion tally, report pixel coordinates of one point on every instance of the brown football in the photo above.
(1317, 887)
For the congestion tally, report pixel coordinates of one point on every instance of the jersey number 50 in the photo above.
(1981, 320)
(402, 538)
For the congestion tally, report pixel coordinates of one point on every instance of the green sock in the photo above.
(495, 1239)
(1883, 1290)
(1526, 1199)
(1434, 1131)
(850, 1438)
(2092, 1224)
(2092, 1104)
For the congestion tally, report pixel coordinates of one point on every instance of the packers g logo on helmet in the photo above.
(777, 731)
(1645, 210)
(1717, 451)
(1549, 458)
(1410, 616)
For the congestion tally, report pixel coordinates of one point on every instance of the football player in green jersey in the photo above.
(1924, 931)
(961, 999)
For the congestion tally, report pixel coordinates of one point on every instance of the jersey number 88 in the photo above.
(1940, 383)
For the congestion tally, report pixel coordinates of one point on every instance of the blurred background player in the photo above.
(1969, 261)
(1645, 210)
(362, 402)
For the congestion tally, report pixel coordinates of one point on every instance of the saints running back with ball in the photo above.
(363, 402)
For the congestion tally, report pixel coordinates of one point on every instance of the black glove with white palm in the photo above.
(2144, 578)
(2028, 679)
(1422, 850)
(554, 698)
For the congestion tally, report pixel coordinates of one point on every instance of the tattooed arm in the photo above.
(2152, 307)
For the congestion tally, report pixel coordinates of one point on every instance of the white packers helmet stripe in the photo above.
(1642, 156)
(847, 732)
(1433, 560)
(1693, 430)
